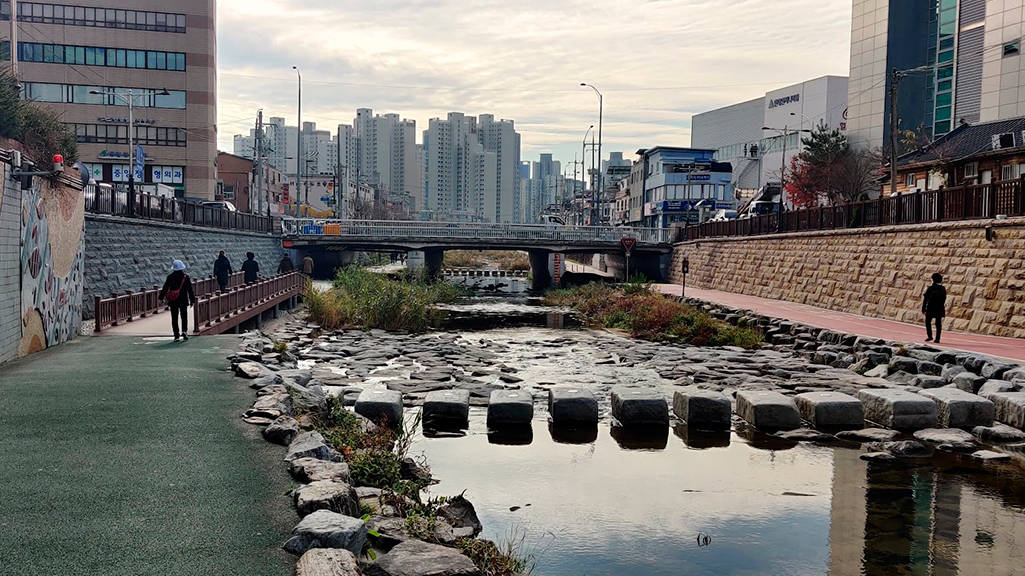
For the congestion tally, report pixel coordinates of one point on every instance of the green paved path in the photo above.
(124, 455)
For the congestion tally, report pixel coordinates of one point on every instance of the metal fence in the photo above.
(126, 307)
(975, 202)
(369, 230)
(101, 200)
(248, 297)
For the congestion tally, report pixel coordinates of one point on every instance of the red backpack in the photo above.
(172, 295)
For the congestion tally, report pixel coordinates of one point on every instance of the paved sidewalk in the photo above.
(854, 324)
(125, 455)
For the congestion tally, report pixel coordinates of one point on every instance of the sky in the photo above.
(657, 62)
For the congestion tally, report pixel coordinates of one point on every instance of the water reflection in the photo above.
(641, 438)
(602, 507)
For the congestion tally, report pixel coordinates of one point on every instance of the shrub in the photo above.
(494, 561)
(39, 129)
(376, 468)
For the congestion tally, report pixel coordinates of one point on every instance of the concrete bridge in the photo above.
(332, 243)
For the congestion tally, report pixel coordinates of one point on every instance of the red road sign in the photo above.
(628, 243)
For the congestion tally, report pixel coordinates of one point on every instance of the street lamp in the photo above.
(594, 207)
(128, 97)
(583, 163)
(299, 143)
(782, 170)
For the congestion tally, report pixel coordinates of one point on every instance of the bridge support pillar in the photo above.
(540, 276)
(433, 258)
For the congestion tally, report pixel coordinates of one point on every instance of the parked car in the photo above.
(222, 204)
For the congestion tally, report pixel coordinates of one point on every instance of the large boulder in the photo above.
(1010, 408)
(997, 386)
(998, 433)
(326, 495)
(903, 364)
(416, 558)
(328, 562)
(250, 370)
(271, 406)
(282, 431)
(326, 529)
(311, 445)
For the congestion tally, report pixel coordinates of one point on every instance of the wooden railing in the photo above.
(126, 307)
(150, 207)
(975, 202)
(246, 298)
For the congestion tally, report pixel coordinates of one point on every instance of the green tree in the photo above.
(829, 171)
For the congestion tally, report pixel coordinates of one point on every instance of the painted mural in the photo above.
(52, 261)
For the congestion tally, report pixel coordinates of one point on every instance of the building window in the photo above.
(82, 94)
(971, 170)
(96, 56)
(1007, 172)
(1012, 48)
(909, 180)
(118, 134)
(45, 13)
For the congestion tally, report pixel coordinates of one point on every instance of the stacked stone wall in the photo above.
(125, 255)
(880, 272)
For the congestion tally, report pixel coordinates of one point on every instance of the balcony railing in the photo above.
(981, 201)
(150, 207)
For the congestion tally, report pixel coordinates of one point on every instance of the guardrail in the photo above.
(116, 202)
(369, 230)
(252, 298)
(126, 307)
(975, 202)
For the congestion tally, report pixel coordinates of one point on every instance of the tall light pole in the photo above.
(129, 97)
(782, 170)
(583, 164)
(594, 207)
(299, 142)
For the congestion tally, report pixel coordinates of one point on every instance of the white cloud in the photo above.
(657, 62)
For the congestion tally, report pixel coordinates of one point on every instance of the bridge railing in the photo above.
(980, 201)
(219, 306)
(126, 307)
(151, 207)
(416, 230)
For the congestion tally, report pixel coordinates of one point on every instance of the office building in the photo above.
(964, 57)
(736, 132)
(86, 59)
(679, 185)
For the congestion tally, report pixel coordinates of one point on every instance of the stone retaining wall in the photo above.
(880, 272)
(124, 255)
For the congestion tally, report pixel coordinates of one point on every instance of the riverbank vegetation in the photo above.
(363, 299)
(646, 314)
(500, 259)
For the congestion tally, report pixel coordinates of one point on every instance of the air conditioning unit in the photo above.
(1003, 141)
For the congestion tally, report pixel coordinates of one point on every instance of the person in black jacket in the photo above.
(285, 266)
(222, 271)
(178, 294)
(934, 306)
(250, 268)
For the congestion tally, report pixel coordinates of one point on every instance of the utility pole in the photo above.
(258, 153)
(894, 82)
(299, 142)
(14, 39)
(338, 172)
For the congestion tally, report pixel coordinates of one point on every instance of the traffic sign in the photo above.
(628, 243)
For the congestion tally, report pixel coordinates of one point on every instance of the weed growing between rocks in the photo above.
(363, 299)
(495, 561)
(649, 315)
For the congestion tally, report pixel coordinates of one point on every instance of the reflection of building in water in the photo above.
(894, 520)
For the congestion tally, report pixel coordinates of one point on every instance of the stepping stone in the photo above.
(1010, 408)
(898, 409)
(326, 529)
(447, 409)
(509, 408)
(768, 410)
(639, 407)
(702, 409)
(831, 410)
(572, 405)
(380, 406)
(956, 408)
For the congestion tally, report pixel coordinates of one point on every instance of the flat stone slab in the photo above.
(990, 387)
(380, 406)
(898, 409)
(311, 445)
(868, 435)
(956, 408)
(999, 433)
(311, 470)
(1010, 408)
(326, 495)
(448, 409)
(953, 436)
(639, 407)
(831, 410)
(572, 405)
(326, 529)
(416, 558)
(990, 456)
(510, 408)
(702, 409)
(768, 410)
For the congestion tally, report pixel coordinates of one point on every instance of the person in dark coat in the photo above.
(178, 294)
(222, 271)
(250, 268)
(934, 306)
(285, 266)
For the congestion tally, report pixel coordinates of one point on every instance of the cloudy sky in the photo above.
(656, 61)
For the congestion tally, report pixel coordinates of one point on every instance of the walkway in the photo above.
(854, 324)
(127, 455)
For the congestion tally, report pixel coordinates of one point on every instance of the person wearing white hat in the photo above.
(179, 295)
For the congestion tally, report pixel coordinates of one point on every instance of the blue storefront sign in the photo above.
(699, 177)
(676, 205)
(313, 230)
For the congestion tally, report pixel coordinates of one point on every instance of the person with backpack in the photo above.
(178, 294)
(251, 268)
(934, 306)
(222, 271)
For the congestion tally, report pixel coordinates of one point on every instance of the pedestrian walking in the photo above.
(285, 266)
(178, 294)
(250, 268)
(222, 271)
(308, 265)
(934, 306)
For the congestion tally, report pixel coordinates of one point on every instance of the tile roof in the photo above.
(966, 141)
